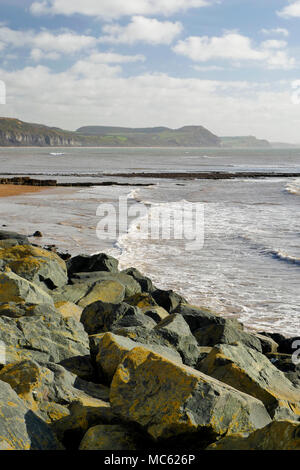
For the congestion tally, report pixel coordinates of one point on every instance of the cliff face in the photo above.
(10, 138)
(17, 133)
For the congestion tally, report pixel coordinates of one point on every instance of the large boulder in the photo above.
(132, 287)
(145, 283)
(20, 427)
(86, 263)
(107, 291)
(168, 399)
(112, 349)
(101, 317)
(110, 437)
(210, 329)
(177, 332)
(16, 289)
(278, 435)
(251, 372)
(168, 299)
(35, 264)
(45, 337)
(18, 310)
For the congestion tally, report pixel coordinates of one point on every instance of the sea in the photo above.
(248, 266)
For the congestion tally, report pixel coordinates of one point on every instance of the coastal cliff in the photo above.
(16, 133)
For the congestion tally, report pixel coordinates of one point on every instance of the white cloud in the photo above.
(66, 42)
(115, 8)
(235, 47)
(141, 29)
(207, 68)
(37, 55)
(113, 58)
(290, 11)
(282, 31)
(273, 44)
(80, 96)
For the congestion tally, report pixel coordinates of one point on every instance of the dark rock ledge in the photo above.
(97, 359)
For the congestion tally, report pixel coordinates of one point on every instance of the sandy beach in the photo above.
(7, 190)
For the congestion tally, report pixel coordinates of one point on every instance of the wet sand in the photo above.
(8, 190)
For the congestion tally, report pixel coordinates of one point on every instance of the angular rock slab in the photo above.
(21, 428)
(16, 289)
(100, 317)
(86, 263)
(44, 338)
(278, 435)
(36, 265)
(176, 330)
(169, 400)
(251, 372)
(106, 291)
(112, 349)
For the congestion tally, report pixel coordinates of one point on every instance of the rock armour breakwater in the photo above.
(97, 359)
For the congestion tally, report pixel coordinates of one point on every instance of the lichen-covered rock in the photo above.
(109, 437)
(20, 427)
(156, 313)
(21, 239)
(86, 263)
(145, 283)
(168, 299)
(112, 349)
(70, 429)
(16, 289)
(132, 287)
(101, 317)
(168, 399)
(107, 291)
(28, 380)
(278, 435)
(18, 310)
(142, 300)
(35, 264)
(69, 310)
(251, 372)
(177, 332)
(43, 338)
(210, 329)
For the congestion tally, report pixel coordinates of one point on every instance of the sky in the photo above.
(232, 66)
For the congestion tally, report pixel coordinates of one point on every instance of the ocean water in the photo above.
(249, 266)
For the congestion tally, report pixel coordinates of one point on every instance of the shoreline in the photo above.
(22, 180)
(17, 190)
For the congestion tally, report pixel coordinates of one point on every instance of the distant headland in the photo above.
(16, 133)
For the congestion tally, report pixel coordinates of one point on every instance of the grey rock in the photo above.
(86, 263)
(20, 427)
(177, 332)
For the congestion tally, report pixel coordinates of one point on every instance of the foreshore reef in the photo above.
(94, 358)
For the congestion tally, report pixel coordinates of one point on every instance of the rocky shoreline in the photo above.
(93, 358)
(215, 175)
